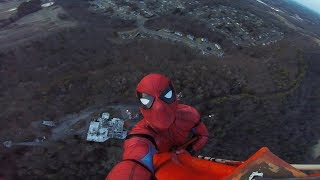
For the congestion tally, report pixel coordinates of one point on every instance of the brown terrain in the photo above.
(66, 63)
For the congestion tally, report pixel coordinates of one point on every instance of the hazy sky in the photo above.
(312, 4)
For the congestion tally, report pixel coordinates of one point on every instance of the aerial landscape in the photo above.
(250, 67)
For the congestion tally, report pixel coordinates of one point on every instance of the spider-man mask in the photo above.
(158, 101)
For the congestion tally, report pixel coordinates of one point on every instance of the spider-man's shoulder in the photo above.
(187, 115)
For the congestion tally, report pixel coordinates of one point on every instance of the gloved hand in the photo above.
(182, 151)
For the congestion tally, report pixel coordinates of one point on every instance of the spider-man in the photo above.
(165, 126)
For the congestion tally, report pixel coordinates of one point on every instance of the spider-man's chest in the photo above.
(172, 138)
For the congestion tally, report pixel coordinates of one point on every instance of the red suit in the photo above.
(165, 126)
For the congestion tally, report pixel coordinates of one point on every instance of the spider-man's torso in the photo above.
(176, 135)
(166, 125)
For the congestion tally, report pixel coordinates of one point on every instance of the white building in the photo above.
(103, 129)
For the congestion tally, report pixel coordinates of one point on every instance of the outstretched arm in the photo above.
(136, 161)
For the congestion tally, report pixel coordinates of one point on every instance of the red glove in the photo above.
(182, 151)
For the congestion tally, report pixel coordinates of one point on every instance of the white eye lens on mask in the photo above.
(144, 101)
(168, 95)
